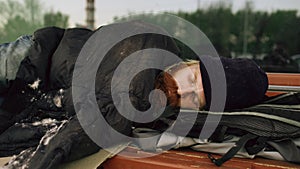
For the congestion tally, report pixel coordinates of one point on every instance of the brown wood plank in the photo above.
(187, 159)
(284, 79)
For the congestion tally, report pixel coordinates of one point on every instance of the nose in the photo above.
(190, 89)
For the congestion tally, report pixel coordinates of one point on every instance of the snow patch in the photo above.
(57, 101)
(44, 122)
(51, 133)
(35, 84)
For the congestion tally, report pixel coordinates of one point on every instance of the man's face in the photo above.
(190, 87)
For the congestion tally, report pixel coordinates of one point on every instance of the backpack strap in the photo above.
(219, 135)
(288, 149)
(257, 146)
(233, 151)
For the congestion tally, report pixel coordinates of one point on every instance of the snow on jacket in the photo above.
(46, 73)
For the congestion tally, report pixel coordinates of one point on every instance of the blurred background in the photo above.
(267, 31)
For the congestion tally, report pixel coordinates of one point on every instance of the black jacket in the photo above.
(50, 62)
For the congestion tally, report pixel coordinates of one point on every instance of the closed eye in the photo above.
(193, 79)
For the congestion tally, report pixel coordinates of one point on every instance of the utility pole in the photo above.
(198, 4)
(90, 14)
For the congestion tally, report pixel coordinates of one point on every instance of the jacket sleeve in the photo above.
(34, 67)
(140, 86)
(38, 62)
(66, 142)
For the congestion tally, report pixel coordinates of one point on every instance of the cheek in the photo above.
(184, 85)
(187, 103)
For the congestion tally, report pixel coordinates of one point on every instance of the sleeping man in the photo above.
(187, 84)
(38, 103)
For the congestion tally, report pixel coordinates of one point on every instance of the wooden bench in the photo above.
(188, 159)
(283, 82)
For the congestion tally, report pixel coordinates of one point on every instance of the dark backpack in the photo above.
(272, 124)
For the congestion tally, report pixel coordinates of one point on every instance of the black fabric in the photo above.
(246, 83)
(270, 123)
(63, 143)
(230, 154)
(29, 126)
(37, 63)
(16, 94)
(70, 143)
(7, 120)
(19, 98)
(37, 66)
(64, 57)
(21, 136)
(141, 86)
(286, 111)
(34, 66)
(51, 60)
(255, 146)
(264, 127)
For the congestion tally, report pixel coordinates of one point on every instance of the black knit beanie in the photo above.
(246, 83)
